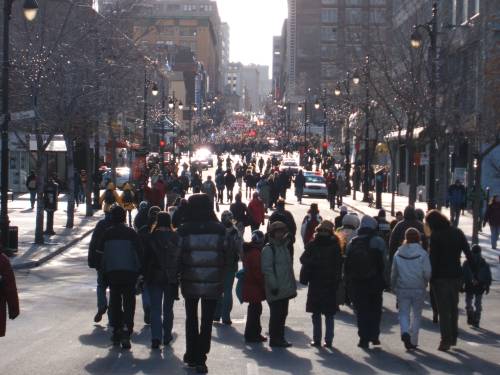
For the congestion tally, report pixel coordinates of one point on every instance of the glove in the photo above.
(275, 291)
(14, 315)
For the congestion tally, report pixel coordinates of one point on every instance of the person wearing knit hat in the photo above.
(364, 272)
(383, 226)
(338, 219)
(310, 222)
(411, 272)
(321, 271)
(347, 231)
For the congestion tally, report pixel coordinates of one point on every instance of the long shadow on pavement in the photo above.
(338, 361)
(278, 359)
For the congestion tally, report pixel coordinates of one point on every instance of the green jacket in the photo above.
(278, 273)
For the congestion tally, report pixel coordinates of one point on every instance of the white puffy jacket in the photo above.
(411, 267)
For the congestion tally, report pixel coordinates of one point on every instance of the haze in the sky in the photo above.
(253, 23)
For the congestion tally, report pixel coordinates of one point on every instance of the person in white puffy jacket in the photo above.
(411, 272)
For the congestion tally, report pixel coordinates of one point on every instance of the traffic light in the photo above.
(162, 143)
(325, 145)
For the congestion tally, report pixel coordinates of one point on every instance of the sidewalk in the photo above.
(465, 223)
(29, 254)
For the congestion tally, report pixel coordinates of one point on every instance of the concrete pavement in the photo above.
(55, 333)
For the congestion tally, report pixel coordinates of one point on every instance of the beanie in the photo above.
(163, 220)
(412, 235)
(381, 213)
(368, 222)
(118, 214)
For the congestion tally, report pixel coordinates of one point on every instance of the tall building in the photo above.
(195, 24)
(225, 50)
(327, 38)
(251, 82)
(280, 62)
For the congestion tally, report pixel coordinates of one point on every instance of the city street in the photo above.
(55, 333)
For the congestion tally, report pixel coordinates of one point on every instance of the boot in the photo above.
(470, 317)
(476, 319)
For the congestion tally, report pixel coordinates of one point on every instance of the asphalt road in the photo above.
(55, 334)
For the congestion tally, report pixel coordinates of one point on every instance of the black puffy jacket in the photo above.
(161, 258)
(203, 259)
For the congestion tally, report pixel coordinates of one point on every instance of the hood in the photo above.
(368, 222)
(409, 213)
(410, 249)
(126, 186)
(111, 186)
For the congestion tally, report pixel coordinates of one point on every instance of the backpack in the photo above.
(128, 196)
(362, 261)
(109, 197)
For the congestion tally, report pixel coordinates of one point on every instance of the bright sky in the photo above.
(253, 23)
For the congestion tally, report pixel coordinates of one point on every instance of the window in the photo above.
(353, 35)
(454, 12)
(329, 2)
(328, 70)
(328, 33)
(328, 51)
(329, 15)
(353, 16)
(465, 10)
(377, 16)
(353, 2)
(377, 2)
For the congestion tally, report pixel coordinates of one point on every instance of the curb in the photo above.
(37, 263)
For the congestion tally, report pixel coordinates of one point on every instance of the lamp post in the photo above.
(30, 9)
(154, 91)
(172, 104)
(338, 92)
(317, 105)
(194, 110)
(356, 80)
(431, 28)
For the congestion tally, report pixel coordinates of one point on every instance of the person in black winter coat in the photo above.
(95, 261)
(446, 246)
(322, 270)
(240, 214)
(161, 273)
(475, 287)
(179, 215)
(398, 234)
(203, 267)
(230, 181)
(122, 253)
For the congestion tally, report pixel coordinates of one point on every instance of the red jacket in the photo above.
(155, 195)
(253, 284)
(8, 294)
(257, 210)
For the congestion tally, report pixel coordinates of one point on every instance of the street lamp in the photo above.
(154, 90)
(317, 106)
(431, 28)
(355, 78)
(337, 91)
(30, 9)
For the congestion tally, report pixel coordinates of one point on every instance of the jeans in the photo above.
(230, 195)
(455, 212)
(102, 286)
(474, 304)
(317, 327)
(331, 199)
(32, 198)
(162, 301)
(122, 305)
(146, 299)
(446, 292)
(225, 303)
(411, 303)
(198, 338)
(253, 329)
(277, 319)
(495, 232)
(368, 304)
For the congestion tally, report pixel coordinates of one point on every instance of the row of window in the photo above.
(463, 10)
(354, 2)
(353, 16)
(352, 35)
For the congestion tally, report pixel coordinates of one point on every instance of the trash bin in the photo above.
(13, 237)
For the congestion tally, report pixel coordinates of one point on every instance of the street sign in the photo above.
(23, 115)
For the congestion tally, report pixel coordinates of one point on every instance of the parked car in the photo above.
(315, 185)
(278, 155)
(122, 176)
(204, 157)
(290, 164)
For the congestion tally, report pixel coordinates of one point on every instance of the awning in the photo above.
(57, 144)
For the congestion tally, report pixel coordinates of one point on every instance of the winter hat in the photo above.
(381, 213)
(476, 249)
(412, 235)
(153, 211)
(143, 206)
(258, 237)
(276, 226)
(350, 220)
(227, 217)
(118, 214)
(343, 209)
(420, 214)
(368, 222)
(200, 208)
(325, 226)
(163, 220)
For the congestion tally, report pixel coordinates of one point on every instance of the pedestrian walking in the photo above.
(202, 276)
(108, 198)
(322, 271)
(240, 214)
(286, 217)
(300, 183)
(128, 200)
(210, 190)
(279, 279)
(340, 189)
(447, 243)
(179, 215)
(31, 185)
(230, 181)
(411, 272)
(475, 287)
(310, 222)
(455, 200)
(253, 287)
(332, 190)
(338, 219)
(364, 272)
(141, 217)
(9, 300)
(94, 260)
(220, 184)
(398, 233)
(256, 212)
(349, 228)
(121, 263)
(161, 274)
(234, 249)
(492, 217)
(264, 191)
